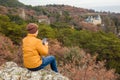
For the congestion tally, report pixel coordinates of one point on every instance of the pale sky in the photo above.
(77, 3)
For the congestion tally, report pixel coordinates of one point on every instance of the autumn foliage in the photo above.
(76, 64)
(6, 49)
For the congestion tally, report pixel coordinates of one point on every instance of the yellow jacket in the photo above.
(33, 50)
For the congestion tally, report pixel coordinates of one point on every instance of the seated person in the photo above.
(34, 50)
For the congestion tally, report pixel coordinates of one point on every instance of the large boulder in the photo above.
(10, 71)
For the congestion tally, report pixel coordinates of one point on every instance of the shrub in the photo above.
(46, 31)
(77, 65)
(7, 49)
(12, 30)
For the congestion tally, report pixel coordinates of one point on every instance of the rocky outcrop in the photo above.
(10, 71)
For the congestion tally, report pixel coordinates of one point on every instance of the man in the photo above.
(34, 49)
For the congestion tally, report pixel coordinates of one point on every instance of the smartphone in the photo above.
(44, 40)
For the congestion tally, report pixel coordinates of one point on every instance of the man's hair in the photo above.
(32, 28)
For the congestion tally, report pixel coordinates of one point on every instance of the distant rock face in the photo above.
(10, 71)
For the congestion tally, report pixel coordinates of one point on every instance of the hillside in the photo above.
(58, 14)
(75, 63)
(71, 34)
(11, 3)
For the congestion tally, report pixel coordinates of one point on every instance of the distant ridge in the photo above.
(115, 8)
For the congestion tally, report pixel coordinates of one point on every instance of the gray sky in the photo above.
(77, 3)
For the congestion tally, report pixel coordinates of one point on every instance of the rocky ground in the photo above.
(10, 71)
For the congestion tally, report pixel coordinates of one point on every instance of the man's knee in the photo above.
(52, 57)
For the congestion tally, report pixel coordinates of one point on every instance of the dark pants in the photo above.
(45, 61)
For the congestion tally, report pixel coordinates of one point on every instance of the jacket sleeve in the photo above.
(42, 49)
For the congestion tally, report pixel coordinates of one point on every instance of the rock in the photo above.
(10, 71)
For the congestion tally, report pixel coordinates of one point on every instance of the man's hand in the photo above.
(46, 43)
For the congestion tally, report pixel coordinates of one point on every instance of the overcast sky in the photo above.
(77, 3)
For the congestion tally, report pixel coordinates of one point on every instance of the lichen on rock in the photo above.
(10, 71)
